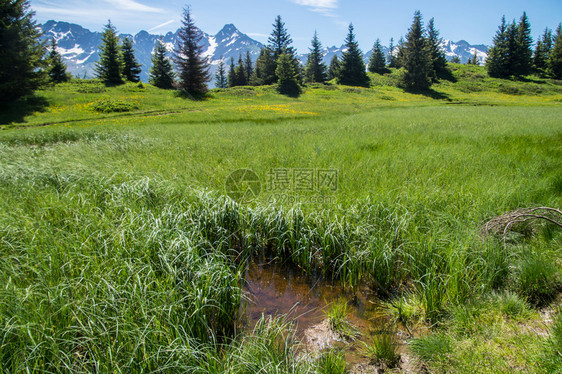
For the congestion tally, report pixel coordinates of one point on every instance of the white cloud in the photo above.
(162, 25)
(133, 6)
(324, 7)
(319, 4)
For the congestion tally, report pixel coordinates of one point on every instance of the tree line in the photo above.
(512, 53)
(24, 65)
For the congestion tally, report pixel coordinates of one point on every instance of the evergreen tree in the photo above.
(288, 80)
(437, 54)
(455, 60)
(522, 54)
(109, 67)
(352, 70)
(391, 58)
(280, 43)
(21, 52)
(264, 73)
(131, 67)
(542, 52)
(232, 79)
(315, 71)
(221, 80)
(334, 69)
(512, 61)
(399, 59)
(377, 62)
(555, 58)
(249, 67)
(240, 73)
(161, 72)
(497, 62)
(417, 57)
(57, 68)
(192, 66)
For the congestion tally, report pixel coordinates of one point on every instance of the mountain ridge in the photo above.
(79, 47)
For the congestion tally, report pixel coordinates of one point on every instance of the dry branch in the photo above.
(504, 224)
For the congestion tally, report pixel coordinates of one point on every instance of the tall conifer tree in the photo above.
(131, 67)
(391, 57)
(417, 57)
(264, 72)
(334, 68)
(192, 66)
(542, 52)
(352, 70)
(438, 59)
(21, 52)
(523, 53)
(248, 67)
(555, 58)
(315, 71)
(161, 72)
(377, 62)
(221, 80)
(57, 68)
(109, 67)
(280, 43)
(497, 62)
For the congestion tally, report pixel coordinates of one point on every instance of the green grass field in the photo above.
(120, 251)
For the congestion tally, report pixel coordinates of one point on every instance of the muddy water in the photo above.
(277, 290)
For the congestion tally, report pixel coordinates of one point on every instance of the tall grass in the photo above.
(119, 253)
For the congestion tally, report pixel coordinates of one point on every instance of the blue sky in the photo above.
(474, 21)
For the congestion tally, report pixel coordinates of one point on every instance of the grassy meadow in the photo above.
(120, 251)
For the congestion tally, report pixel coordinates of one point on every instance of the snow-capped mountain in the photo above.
(465, 51)
(80, 47)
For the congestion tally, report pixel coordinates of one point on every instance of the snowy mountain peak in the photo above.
(80, 47)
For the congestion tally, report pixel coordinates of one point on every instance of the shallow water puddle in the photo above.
(273, 290)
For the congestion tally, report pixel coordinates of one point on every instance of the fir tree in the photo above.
(232, 79)
(131, 67)
(280, 43)
(161, 72)
(315, 71)
(264, 72)
(288, 80)
(248, 67)
(512, 61)
(555, 58)
(334, 69)
(542, 52)
(417, 57)
(377, 62)
(399, 59)
(437, 54)
(240, 73)
(21, 52)
(109, 67)
(455, 60)
(57, 68)
(391, 58)
(522, 54)
(193, 68)
(221, 80)
(352, 70)
(497, 62)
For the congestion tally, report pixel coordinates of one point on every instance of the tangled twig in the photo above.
(502, 225)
